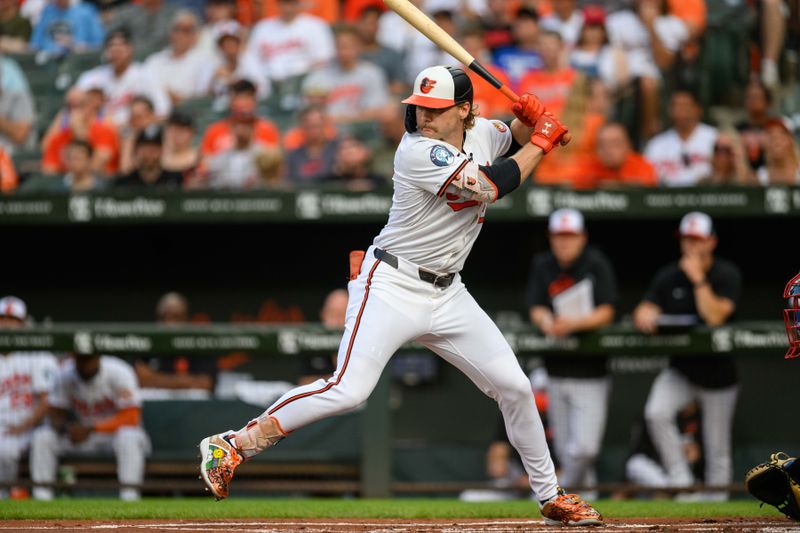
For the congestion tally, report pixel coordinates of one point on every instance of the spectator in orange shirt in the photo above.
(616, 163)
(552, 84)
(8, 175)
(583, 113)
(692, 13)
(80, 121)
(219, 135)
(487, 100)
(327, 10)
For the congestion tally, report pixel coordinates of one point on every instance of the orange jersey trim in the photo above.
(124, 417)
(347, 357)
(451, 178)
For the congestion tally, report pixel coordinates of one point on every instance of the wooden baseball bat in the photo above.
(443, 40)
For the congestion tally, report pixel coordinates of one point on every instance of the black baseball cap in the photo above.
(150, 135)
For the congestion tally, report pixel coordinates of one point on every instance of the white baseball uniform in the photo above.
(679, 162)
(23, 377)
(112, 389)
(430, 232)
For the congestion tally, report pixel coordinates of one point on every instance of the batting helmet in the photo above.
(791, 316)
(438, 88)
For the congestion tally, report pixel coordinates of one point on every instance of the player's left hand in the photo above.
(528, 109)
(549, 132)
(78, 433)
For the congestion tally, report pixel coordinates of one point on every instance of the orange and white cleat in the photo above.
(218, 460)
(570, 510)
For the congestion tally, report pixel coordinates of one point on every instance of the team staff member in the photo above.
(409, 288)
(579, 385)
(101, 391)
(707, 289)
(24, 381)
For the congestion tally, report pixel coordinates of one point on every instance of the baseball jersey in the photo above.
(672, 291)
(681, 163)
(112, 389)
(284, 50)
(429, 224)
(23, 376)
(120, 90)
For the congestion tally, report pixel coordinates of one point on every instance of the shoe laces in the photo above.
(573, 502)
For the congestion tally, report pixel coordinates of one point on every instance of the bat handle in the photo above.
(484, 73)
(511, 95)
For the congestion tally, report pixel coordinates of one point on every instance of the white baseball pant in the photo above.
(642, 470)
(391, 306)
(672, 392)
(130, 445)
(577, 409)
(13, 446)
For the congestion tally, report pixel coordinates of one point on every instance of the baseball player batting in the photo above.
(448, 168)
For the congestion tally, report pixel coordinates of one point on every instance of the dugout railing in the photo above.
(360, 461)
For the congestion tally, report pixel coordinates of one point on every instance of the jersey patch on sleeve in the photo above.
(441, 156)
(502, 128)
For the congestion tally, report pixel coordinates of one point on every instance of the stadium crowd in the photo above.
(227, 94)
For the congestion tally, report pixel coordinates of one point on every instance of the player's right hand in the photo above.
(528, 109)
(549, 132)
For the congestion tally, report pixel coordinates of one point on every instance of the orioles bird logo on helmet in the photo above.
(426, 85)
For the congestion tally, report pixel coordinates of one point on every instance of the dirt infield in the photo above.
(727, 525)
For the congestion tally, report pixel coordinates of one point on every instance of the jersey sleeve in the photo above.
(499, 135)
(660, 283)
(729, 283)
(605, 288)
(59, 394)
(45, 374)
(126, 386)
(429, 164)
(536, 292)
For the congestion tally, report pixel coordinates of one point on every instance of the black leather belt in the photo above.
(424, 275)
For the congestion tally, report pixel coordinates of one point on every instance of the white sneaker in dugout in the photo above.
(129, 495)
(42, 493)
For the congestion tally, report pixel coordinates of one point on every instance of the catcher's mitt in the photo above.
(777, 483)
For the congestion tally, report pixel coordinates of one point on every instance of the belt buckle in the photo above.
(440, 281)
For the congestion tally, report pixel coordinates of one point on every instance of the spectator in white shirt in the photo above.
(231, 64)
(682, 155)
(121, 80)
(291, 43)
(566, 20)
(236, 167)
(217, 13)
(651, 39)
(178, 67)
(417, 50)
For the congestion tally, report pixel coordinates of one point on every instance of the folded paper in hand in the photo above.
(575, 302)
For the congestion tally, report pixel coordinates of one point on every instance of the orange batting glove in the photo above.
(548, 133)
(528, 109)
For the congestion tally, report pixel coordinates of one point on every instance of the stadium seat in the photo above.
(72, 66)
